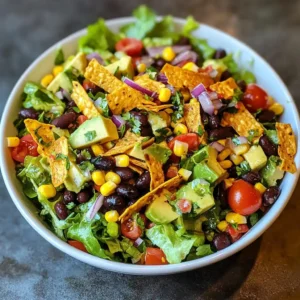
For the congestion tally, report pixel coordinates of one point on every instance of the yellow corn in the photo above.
(163, 144)
(141, 68)
(46, 80)
(226, 164)
(224, 154)
(277, 108)
(241, 149)
(185, 174)
(108, 188)
(111, 216)
(56, 70)
(222, 142)
(180, 129)
(47, 190)
(97, 149)
(228, 183)
(169, 111)
(222, 226)
(164, 115)
(108, 145)
(191, 67)
(122, 160)
(13, 141)
(168, 54)
(236, 159)
(164, 95)
(112, 176)
(203, 218)
(180, 148)
(194, 100)
(234, 218)
(260, 187)
(98, 177)
(186, 95)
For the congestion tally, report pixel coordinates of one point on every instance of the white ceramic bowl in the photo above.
(266, 77)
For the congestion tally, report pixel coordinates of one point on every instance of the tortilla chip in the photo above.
(156, 171)
(146, 82)
(148, 143)
(287, 147)
(148, 198)
(83, 101)
(138, 163)
(181, 78)
(155, 108)
(225, 88)
(136, 169)
(102, 77)
(192, 117)
(242, 122)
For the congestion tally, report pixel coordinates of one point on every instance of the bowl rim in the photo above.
(125, 268)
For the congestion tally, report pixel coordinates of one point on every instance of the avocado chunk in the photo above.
(121, 67)
(256, 157)
(271, 172)
(95, 130)
(160, 153)
(156, 122)
(137, 152)
(160, 211)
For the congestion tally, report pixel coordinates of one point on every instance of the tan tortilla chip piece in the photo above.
(136, 169)
(152, 85)
(83, 101)
(148, 143)
(181, 78)
(192, 117)
(138, 163)
(242, 122)
(225, 88)
(156, 171)
(287, 147)
(148, 198)
(155, 108)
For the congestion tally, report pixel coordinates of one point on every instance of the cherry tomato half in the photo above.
(255, 98)
(236, 233)
(243, 198)
(155, 256)
(81, 119)
(78, 245)
(192, 139)
(130, 46)
(90, 86)
(26, 147)
(131, 229)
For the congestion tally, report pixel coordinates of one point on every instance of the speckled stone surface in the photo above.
(30, 268)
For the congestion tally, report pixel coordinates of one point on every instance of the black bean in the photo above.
(69, 197)
(266, 116)
(105, 163)
(64, 120)
(28, 113)
(221, 241)
(225, 75)
(204, 117)
(114, 201)
(141, 117)
(242, 85)
(127, 191)
(61, 210)
(232, 171)
(220, 53)
(220, 194)
(183, 41)
(125, 173)
(83, 196)
(221, 133)
(146, 131)
(270, 195)
(213, 122)
(159, 63)
(252, 177)
(268, 147)
(143, 182)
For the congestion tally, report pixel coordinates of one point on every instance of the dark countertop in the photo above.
(30, 268)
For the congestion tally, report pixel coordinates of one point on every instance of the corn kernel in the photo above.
(46, 80)
(13, 141)
(108, 145)
(260, 187)
(122, 160)
(180, 129)
(97, 149)
(165, 116)
(168, 54)
(112, 176)
(224, 154)
(56, 70)
(191, 67)
(226, 164)
(180, 148)
(111, 216)
(185, 174)
(234, 218)
(236, 159)
(222, 142)
(47, 190)
(241, 149)
(222, 226)
(98, 177)
(108, 188)
(194, 100)
(203, 218)
(141, 68)
(164, 95)
(277, 108)
(186, 95)
(228, 182)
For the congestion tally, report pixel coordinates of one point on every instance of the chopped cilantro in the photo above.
(86, 166)
(59, 58)
(253, 133)
(237, 96)
(90, 135)
(163, 134)
(86, 154)
(122, 130)
(76, 109)
(234, 225)
(134, 123)
(152, 72)
(243, 168)
(200, 130)
(66, 158)
(178, 102)
(254, 218)
(101, 103)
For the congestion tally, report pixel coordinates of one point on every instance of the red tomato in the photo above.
(26, 147)
(130, 46)
(81, 119)
(172, 172)
(155, 256)
(236, 234)
(97, 188)
(89, 86)
(192, 139)
(255, 98)
(243, 198)
(78, 245)
(131, 229)
(184, 205)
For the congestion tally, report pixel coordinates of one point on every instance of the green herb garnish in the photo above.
(90, 135)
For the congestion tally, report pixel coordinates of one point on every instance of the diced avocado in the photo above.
(202, 170)
(60, 81)
(160, 211)
(121, 67)
(79, 63)
(95, 130)
(160, 153)
(256, 157)
(271, 172)
(156, 122)
(137, 152)
(75, 179)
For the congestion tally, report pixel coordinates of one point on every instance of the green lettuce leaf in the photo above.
(157, 41)
(59, 58)
(190, 25)
(202, 47)
(165, 29)
(204, 250)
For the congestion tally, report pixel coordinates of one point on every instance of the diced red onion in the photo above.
(157, 51)
(95, 55)
(162, 78)
(138, 242)
(219, 147)
(185, 56)
(66, 94)
(171, 88)
(139, 88)
(206, 103)
(217, 104)
(242, 140)
(95, 207)
(213, 96)
(213, 73)
(118, 120)
(200, 88)
(59, 95)
(146, 59)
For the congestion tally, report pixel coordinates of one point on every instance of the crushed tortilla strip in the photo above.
(149, 197)
(192, 117)
(156, 171)
(152, 85)
(155, 108)
(287, 147)
(242, 122)
(225, 88)
(83, 101)
(182, 78)
(135, 168)
(138, 163)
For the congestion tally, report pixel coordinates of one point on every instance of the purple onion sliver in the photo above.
(157, 51)
(242, 140)
(162, 78)
(118, 120)
(138, 242)
(147, 60)
(95, 55)
(66, 94)
(95, 207)
(217, 104)
(217, 146)
(139, 88)
(200, 88)
(206, 103)
(213, 96)
(185, 56)
(178, 48)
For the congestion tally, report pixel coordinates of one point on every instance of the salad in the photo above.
(148, 146)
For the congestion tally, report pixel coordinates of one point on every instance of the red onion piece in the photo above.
(146, 59)
(185, 56)
(95, 55)
(238, 141)
(162, 78)
(157, 51)
(59, 95)
(66, 94)
(213, 73)
(206, 103)
(229, 144)
(139, 88)
(118, 120)
(138, 242)
(217, 104)
(242, 140)
(200, 88)
(213, 96)
(219, 147)
(95, 207)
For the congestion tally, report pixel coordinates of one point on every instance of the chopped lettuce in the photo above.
(204, 250)
(160, 153)
(165, 29)
(202, 47)
(59, 58)
(157, 41)
(272, 135)
(190, 25)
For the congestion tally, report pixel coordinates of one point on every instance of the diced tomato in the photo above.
(89, 86)
(78, 245)
(184, 205)
(81, 119)
(130, 46)
(155, 256)
(237, 233)
(26, 147)
(97, 188)
(192, 139)
(131, 229)
(172, 172)
(255, 98)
